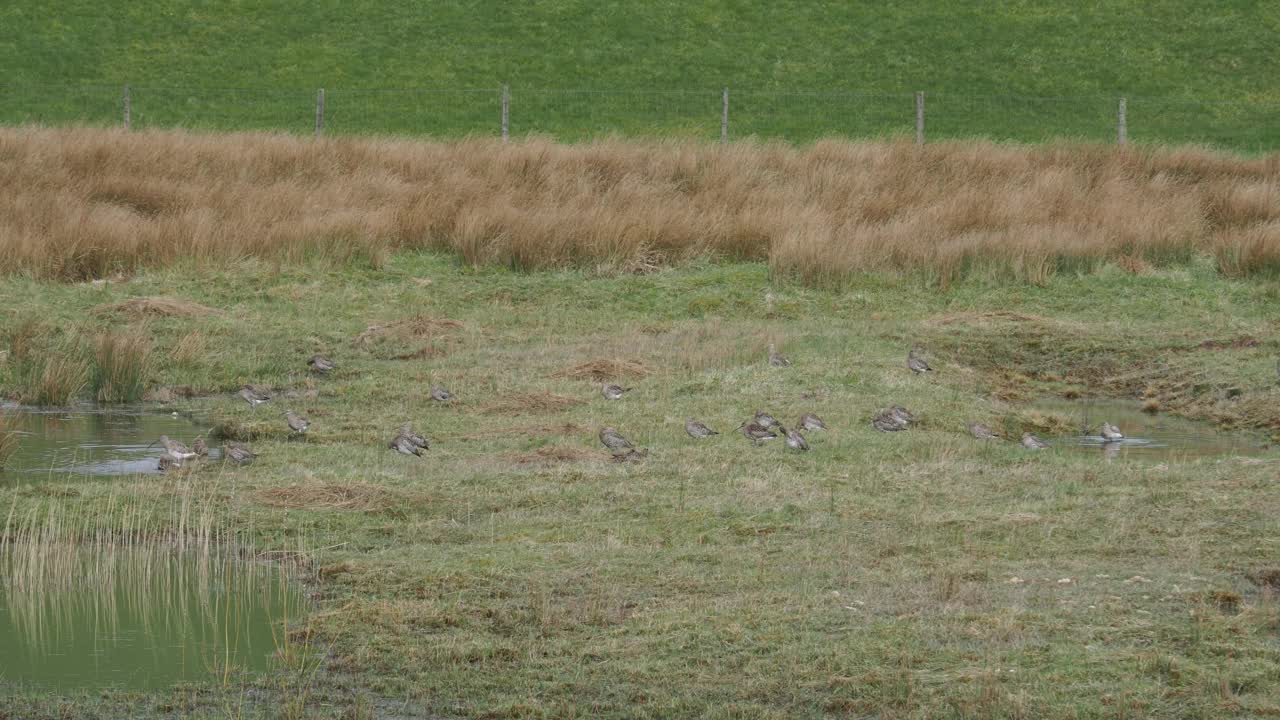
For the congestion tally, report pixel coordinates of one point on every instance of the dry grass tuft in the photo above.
(190, 348)
(550, 454)
(146, 307)
(1266, 578)
(332, 496)
(601, 370)
(983, 319)
(404, 339)
(8, 441)
(533, 431)
(83, 203)
(121, 362)
(518, 403)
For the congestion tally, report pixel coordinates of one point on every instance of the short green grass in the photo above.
(913, 575)
(1024, 71)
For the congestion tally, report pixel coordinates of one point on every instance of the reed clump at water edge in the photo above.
(85, 203)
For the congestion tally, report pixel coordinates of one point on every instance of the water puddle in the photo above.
(90, 440)
(1158, 437)
(137, 617)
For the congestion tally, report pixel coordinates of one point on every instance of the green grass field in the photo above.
(515, 572)
(797, 71)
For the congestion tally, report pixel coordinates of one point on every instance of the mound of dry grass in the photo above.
(601, 370)
(410, 339)
(533, 431)
(550, 454)
(87, 203)
(331, 496)
(144, 307)
(520, 403)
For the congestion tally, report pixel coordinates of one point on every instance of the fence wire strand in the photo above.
(578, 114)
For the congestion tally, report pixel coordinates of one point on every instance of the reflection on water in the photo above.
(90, 440)
(138, 617)
(1162, 437)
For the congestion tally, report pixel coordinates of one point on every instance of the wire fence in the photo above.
(721, 114)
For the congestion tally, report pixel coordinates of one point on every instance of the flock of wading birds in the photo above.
(759, 429)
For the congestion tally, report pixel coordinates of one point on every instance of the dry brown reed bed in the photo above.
(85, 203)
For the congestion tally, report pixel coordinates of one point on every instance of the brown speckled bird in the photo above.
(982, 432)
(809, 421)
(795, 440)
(1031, 442)
(777, 359)
(612, 392)
(915, 363)
(321, 365)
(613, 440)
(697, 430)
(756, 432)
(439, 394)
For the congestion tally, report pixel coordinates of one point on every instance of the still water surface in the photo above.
(138, 617)
(90, 440)
(1156, 437)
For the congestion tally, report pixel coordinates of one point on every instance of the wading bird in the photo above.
(251, 396)
(1031, 442)
(321, 365)
(612, 392)
(697, 430)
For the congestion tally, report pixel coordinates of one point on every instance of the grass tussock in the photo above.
(331, 496)
(414, 338)
(86, 203)
(141, 308)
(53, 379)
(550, 455)
(520, 403)
(601, 370)
(121, 363)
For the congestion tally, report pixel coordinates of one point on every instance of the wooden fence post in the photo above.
(920, 117)
(506, 112)
(724, 117)
(1122, 123)
(320, 112)
(128, 108)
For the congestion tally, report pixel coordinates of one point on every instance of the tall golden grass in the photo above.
(84, 203)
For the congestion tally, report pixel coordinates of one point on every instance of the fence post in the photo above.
(1122, 123)
(724, 117)
(128, 108)
(506, 112)
(320, 112)
(920, 117)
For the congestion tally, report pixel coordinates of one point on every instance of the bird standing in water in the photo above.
(1031, 442)
(1111, 433)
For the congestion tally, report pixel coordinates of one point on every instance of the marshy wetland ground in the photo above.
(515, 571)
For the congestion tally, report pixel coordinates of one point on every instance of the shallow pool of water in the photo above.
(91, 440)
(1155, 436)
(137, 617)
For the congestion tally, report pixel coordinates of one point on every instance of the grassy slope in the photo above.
(872, 575)
(1177, 49)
